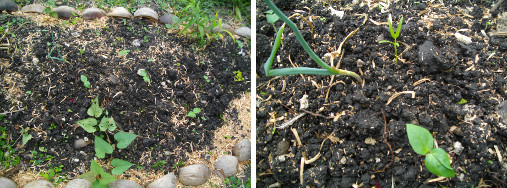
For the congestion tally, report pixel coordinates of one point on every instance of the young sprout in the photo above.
(326, 69)
(394, 35)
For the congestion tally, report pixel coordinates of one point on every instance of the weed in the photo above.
(85, 81)
(206, 78)
(194, 112)
(159, 164)
(437, 160)
(123, 52)
(98, 176)
(462, 101)
(8, 158)
(271, 17)
(81, 51)
(53, 174)
(235, 182)
(179, 164)
(394, 35)
(144, 74)
(26, 136)
(239, 76)
(327, 70)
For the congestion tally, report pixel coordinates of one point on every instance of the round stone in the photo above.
(124, 184)
(119, 12)
(194, 175)
(93, 13)
(227, 164)
(167, 181)
(39, 184)
(8, 5)
(33, 8)
(65, 12)
(168, 19)
(243, 31)
(7, 183)
(146, 13)
(79, 183)
(242, 150)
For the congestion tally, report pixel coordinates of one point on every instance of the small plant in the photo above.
(462, 101)
(123, 52)
(239, 76)
(235, 182)
(159, 164)
(8, 157)
(85, 81)
(179, 164)
(394, 35)
(206, 78)
(327, 70)
(81, 51)
(144, 74)
(194, 112)
(53, 174)
(271, 17)
(437, 160)
(98, 176)
(26, 136)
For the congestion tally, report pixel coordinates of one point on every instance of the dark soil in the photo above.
(455, 71)
(56, 97)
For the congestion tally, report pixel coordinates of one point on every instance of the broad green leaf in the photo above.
(26, 138)
(88, 124)
(96, 184)
(438, 163)
(102, 147)
(420, 139)
(124, 139)
(95, 109)
(90, 176)
(107, 124)
(272, 18)
(95, 167)
(462, 101)
(106, 178)
(123, 52)
(85, 81)
(146, 79)
(120, 166)
(197, 110)
(191, 114)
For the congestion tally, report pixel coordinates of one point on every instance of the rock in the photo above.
(167, 181)
(194, 175)
(8, 5)
(65, 12)
(33, 8)
(39, 184)
(92, 13)
(7, 183)
(458, 148)
(146, 13)
(282, 147)
(124, 184)
(502, 111)
(81, 143)
(242, 150)
(243, 31)
(227, 164)
(224, 26)
(79, 183)
(119, 12)
(431, 58)
(463, 38)
(167, 19)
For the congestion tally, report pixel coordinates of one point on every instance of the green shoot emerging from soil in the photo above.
(327, 70)
(394, 35)
(85, 81)
(194, 112)
(437, 160)
(144, 74)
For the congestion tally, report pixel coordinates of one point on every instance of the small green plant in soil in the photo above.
(235, 182)
(271, 17)
(462, 101)
(327, 70)
(85, 81)
(144, 74)
(179, 164)
(159, 164)
(437, 160)
(206, 78)
(239, 76)
(8, 157)
(53, 174)
(123, 52)
(394, 35)
(26, 136)
(194, 112)
(97, 175)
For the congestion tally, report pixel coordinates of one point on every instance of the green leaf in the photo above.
(90, 176)
(391, 30)
(26, 138)
(123, 52)
(272, 18)
(102, 147)
(146, 79)
(95, 167)
(197, 110)
(462, 101)
(88, 124)
(85, 81)
(438, 163)
(124, 139)
(96, 184)
(95, 109)
(106, 178)
(398, 30)
(420, 139)
(384, 41)
(120, 166)
(107, 123)
(191, 114)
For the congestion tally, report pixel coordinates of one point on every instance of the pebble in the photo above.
(167, 181)
(502, 111)
(243, 31)
(463, 38)
(119, 12)
(79, 183)
(458, 148)
(167, 19)
(146, 13)
(124, 184)
(228, 164)
(194, 175)
(33, 8)
(242, 150)
(39, 184)
(7, 183)
(81, 143)
(8, 5)
(92, 13)
(282, 147)
(65, 12)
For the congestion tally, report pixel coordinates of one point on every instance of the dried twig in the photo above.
(385, 141)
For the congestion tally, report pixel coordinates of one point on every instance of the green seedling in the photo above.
(194, 112)
(462, 101)
(206, 78)
(327, 70)
(53, 174)
(271, 17)
(437, 160)
(26, 136)
(85, 81)
(81, 51)
(98, 177)
(144, 74)
(159, 164)
(123, 52)
(179, 164)
(239, 76)
(394, 35)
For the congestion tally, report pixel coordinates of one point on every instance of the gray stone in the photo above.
(124, 184)
(119, 12)
(39, 184)
(194, 175)
(502, 110)
(224, 26)
(458, 148)
(242, 150)
(7, 183)
(432, 59)
(92, 13)
(81, 143)
(228, 164)
(79, 183)
(167, 181)
(282, 147)
(146, 13)
(65, 12)
(8, 5)
(243, 31)
(167, 19)
(33, 8)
